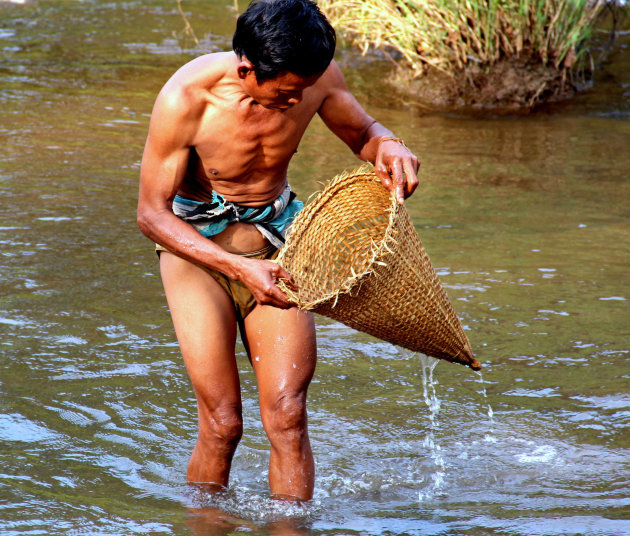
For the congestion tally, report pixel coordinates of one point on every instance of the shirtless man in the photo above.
(222, 133)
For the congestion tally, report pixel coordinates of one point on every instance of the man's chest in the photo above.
(250, 128)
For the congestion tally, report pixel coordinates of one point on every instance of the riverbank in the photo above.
(507, 87)
(517, 62)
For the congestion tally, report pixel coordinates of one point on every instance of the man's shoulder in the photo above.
(332, 76)
(203, 72)
(331, 80)
(186, 89)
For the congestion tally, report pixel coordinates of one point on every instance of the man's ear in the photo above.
(244, 68)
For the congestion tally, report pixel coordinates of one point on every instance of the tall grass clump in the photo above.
(456, 36)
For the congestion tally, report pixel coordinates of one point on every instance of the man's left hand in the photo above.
(397, 167)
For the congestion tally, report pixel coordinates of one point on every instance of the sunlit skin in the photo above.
(215, 126)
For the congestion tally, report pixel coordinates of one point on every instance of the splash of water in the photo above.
(490, 435)
(244, 507)
(428, 387)
(433, 403)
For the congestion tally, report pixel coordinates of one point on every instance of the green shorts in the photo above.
(241, 296)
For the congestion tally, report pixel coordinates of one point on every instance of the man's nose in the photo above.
(295, 99)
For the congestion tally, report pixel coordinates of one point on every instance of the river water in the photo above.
(526, 220)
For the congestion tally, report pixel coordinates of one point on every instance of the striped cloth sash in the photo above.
(211, 218)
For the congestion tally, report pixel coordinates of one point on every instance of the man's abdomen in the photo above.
(241, 238)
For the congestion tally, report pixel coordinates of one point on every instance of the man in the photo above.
(214, 197)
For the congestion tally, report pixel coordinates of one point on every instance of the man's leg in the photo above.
(283, 353)
(205, 325)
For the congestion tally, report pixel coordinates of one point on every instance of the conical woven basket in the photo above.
(356, 257)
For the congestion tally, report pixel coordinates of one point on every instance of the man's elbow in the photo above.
(145, 219)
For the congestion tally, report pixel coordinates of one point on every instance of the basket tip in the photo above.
(475, 365)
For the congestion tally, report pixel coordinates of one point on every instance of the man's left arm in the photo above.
(394, 163)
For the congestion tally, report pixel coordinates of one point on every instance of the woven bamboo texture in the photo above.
(356, 257)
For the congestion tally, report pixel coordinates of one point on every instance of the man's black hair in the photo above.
(284, 36)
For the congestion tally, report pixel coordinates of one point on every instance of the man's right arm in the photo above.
(174, 123)
(164, 164)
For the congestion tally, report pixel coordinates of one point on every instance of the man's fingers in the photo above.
(289, 283)
(279, 299)
(262, 279)
(273, 295)
(281, 274)
(411, 174)
(383, 173)
(399, 181)
(276, 298)
(397, 168)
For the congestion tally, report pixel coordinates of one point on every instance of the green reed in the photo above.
(451, 34)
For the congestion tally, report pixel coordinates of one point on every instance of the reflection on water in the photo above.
(526, 221)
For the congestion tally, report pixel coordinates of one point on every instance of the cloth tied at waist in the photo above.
(211, 218)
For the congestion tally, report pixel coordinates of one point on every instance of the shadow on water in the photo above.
(526, 221)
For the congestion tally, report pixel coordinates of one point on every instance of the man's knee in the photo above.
(286, 419)
(224, 426)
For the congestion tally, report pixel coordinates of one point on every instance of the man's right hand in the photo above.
(260, 277)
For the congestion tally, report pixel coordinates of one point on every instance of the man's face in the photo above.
(279, 93)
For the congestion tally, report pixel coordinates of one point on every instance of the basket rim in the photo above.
(377, 251)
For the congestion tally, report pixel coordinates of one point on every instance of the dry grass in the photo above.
(450, 35)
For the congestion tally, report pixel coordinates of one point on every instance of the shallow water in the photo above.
(526, 220)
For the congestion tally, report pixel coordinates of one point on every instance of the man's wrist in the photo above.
(389, 138)
(236, 266)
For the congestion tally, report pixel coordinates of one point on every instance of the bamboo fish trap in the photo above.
(356, 257)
